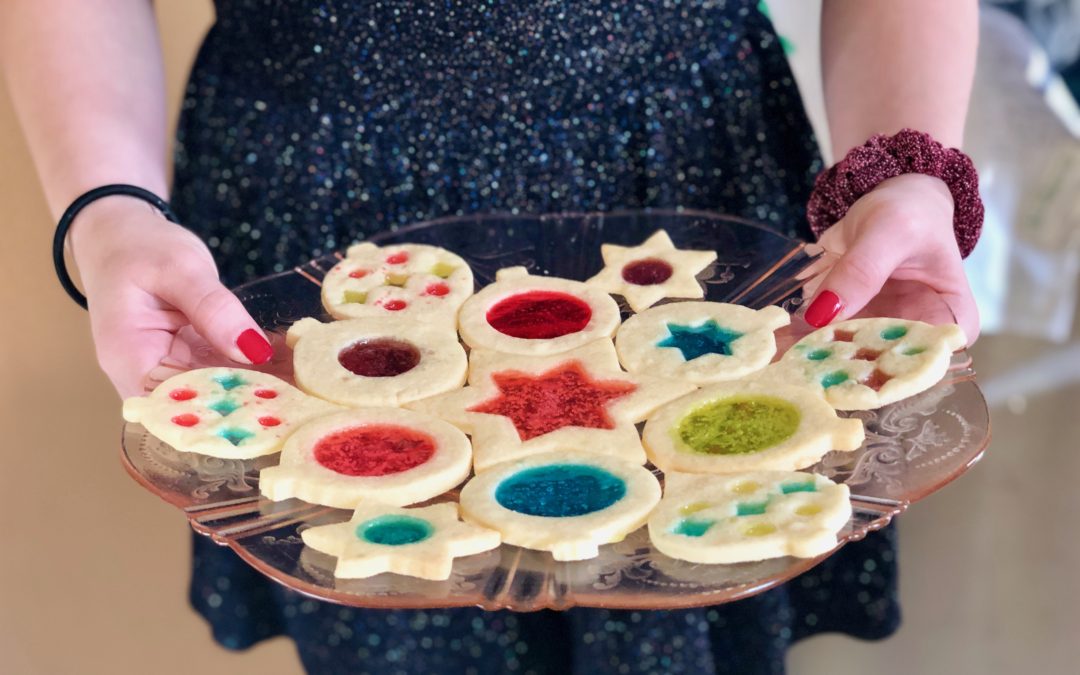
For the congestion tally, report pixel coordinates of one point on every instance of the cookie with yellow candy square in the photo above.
(700, 342)
(417, 280)
(229, 413)
(739, 426)
(748, 516)
(864, 364)
(648, 273)
(419, 542)
(376, 361)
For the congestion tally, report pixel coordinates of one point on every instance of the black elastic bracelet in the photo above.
(82, 202)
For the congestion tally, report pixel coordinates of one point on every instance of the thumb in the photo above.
(857, 276)
(219, 317)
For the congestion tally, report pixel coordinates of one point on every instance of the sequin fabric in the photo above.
(309, 125)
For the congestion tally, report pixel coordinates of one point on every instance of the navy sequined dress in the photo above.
(310, 124)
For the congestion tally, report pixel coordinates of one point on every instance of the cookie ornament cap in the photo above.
(568, 503)
(516, 406)
(747, 426)
(419, 542)
(648, 273)
(414, 280)
(397, 457)
(748, 516)
(230, 413)
(524, 314)
(864, 364)
(377, 361)
(701, 342)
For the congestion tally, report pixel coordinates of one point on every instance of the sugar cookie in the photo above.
(397, 457)
(525, 314)
(420, 542)
(377, 361)
(747, 426)
(648, 273)
(700, 342)
(229, 413)
(521, 405)
(748, 516)
(414, 280)
(568, 503)
(863, 364)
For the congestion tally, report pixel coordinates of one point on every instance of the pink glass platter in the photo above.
(913, 448)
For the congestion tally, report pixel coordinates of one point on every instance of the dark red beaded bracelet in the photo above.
(883, 157)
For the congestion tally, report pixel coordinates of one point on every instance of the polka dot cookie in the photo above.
(377, 361)
(403, 280)
(747, 426)
(525, 314)
(648, 273)
(520, 405)
(568, 503)
(397, 457)
(863, 364)
(700, 342)
(229, 413)
(420, 542)
(748, 516)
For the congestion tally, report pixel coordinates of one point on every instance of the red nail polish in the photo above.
(254, 346)
(823, 309)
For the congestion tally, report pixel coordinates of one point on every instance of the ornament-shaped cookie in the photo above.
(747, 426)
(393, 456)
(377, 361)
(515, 406)
(229, 413)
(648, 273)
(533, 315)
(748, 516)
(568, 503)
(416, 280)
(863, 364)
(699, 342)
(419, 542)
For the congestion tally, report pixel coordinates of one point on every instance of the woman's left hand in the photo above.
(897, 240)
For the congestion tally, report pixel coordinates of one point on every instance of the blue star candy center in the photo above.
(696, 341)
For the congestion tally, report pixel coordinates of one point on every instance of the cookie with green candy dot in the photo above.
(748, 516)
(699, 342)
(747, 426)
(864, 364)
(418, 542)
(229, 413)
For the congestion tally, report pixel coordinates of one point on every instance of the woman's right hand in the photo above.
(146, 278)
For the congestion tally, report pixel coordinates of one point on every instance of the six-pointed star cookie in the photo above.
(522, 405)
(648, 273)
(420, 542)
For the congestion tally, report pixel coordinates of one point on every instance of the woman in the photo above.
(307, 125)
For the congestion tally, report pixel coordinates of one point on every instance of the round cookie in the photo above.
(863, 364)
(648, 273)
(229, 413)
(524, 314)
(377, 361)
(417, 280)
(748, 516)
(747, 426)
(420, 542)
(397, 457)
(568, 503)
(700, 342)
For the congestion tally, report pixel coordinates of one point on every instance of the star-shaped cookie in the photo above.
(522, 405)
(648, 273)
(420, 542)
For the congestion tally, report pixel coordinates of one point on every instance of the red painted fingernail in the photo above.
(823, 309)
(254, 346)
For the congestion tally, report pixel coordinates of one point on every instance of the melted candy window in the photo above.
(394, 530)
(235, 435)
(381, 357)
(560, 490)
(224, 407)
(230, 381)
(834, 378)
(697, 341)
(893, 333)
(738, 425)
(647, 272)
(374, 450)
(539, 315)
(693, 528)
